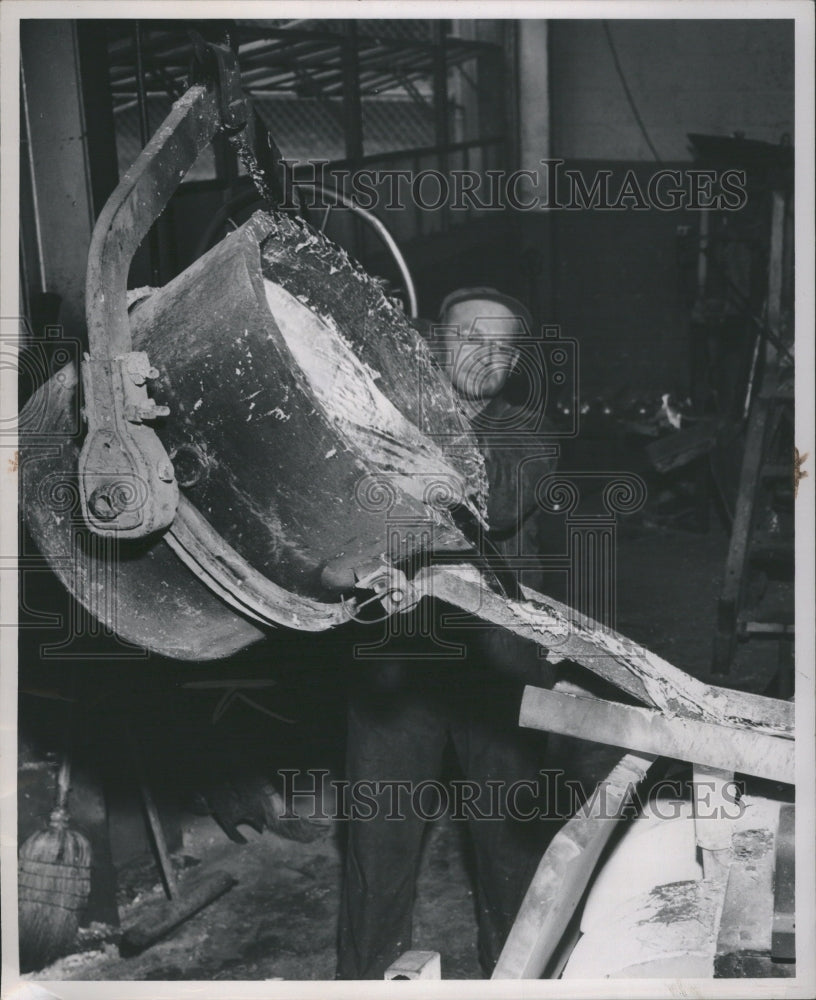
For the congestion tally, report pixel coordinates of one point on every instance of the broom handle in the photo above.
(64, 776)
(154, 822)
(63, 783)
(162, 853)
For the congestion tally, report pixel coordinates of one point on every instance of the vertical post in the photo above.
(775, 256)
(512, 95)
(60, 173)
(32, 259)
(702, 254)
(534, 126)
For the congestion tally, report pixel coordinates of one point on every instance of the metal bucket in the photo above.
(309, 431)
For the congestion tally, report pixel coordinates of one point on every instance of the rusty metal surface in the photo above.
(275, 489)
(137, 589)
(127, 485)
(281, 478)
(227, 574)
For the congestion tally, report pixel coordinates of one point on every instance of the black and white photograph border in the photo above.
(406, 499)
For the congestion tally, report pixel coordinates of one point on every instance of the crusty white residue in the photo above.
(347, 392)
(539, 617)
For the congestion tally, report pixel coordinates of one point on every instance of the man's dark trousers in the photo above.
(400, 717)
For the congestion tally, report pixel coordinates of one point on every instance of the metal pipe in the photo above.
(33, 180)
(387, 239)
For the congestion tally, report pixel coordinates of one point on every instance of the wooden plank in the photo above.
(156, 917)
(783, 939)
(618, 659)
(645, 730)
(746, 965)
(564, 873)
(775, 257)
(747, 916)
(416, 965)
(551, 624)
(772, 715)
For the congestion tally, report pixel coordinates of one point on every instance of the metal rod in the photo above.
(387, 239)
(371, 160)
(33, 180)
(353, 114)
(440, 97)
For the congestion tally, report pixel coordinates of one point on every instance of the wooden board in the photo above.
(623, 662)
(645, 730)
(564, 873)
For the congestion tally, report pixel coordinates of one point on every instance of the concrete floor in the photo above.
(280, 919)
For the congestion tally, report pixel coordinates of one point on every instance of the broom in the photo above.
(54, 881)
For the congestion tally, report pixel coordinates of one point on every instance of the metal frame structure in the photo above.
(343, 65)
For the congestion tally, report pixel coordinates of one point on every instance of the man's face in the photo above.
(480, 341)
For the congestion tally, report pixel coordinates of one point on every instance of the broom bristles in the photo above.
(54, 878)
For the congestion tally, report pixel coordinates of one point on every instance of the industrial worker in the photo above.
(405, 710)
